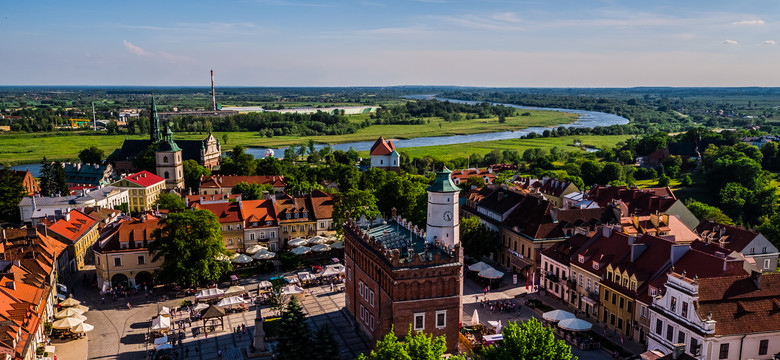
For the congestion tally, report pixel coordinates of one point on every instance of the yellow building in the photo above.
(79, 232)
(80, 123)
(231, 223)
(143, 187)
(122, 258)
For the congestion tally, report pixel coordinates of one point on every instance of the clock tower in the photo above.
(443, 221)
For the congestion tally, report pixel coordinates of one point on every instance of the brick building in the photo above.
(401, 275)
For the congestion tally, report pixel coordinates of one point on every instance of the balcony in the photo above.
(552, 277)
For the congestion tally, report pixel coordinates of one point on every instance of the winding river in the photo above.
(587, 119)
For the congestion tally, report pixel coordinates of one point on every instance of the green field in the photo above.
(448, 152)
(31, 148)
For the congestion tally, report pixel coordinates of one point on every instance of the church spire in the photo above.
(154, 128)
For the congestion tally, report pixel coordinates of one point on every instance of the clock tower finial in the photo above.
(155, 135)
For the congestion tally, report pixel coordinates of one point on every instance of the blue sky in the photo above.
(378, 42)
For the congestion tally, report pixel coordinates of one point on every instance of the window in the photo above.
(767, 262)
(620, 323)
(262, 235)
(622, 302)
(360, 287)
(230, 227)
(606, 295)
(251, 236)
(371, 323)
(580, 279)
(588, 285)
(659, 327)
(685, 309)
(117, 261)
(441, 319)
(694, 347)
(230, 241)
(763, 347)
(362, 313)
(681, 337)
(371, 297)
(669, 332)
(673, 305)
(606, 313)
(419, 321)
(349, 273)
(165, 160)
(273, 234)
(166, 175)
(614, 298)
(612, 319)
(630, 306)
(284, 229)
(644, 311)
(141, 260)
(724, 351)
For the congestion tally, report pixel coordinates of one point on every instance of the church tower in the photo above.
(169, 162)
(154, 123)
(443, 221)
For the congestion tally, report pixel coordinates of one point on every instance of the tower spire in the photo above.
(154, 128)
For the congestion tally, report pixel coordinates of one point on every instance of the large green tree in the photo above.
(478, 241)
(238, 162)
(294, 334)
(324, 345)
(416, 346)
(91, 155)
(190, 242)
(358, 203)
(192, 173)
(170, 202)
(253, 191)
(12, 191)
(529, 340)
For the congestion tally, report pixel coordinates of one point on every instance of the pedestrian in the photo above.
(103, 300)
(128, 305)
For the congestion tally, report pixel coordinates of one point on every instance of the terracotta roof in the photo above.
(604, 250)
(561, 252)
(287, 204)
(220, 181)
(75, 227)
(738, 305)
(734, 238)
(638, 201)
(259, 211)
(228, 212)
(194, 199)
(382, 147)
(322, 204)
(129, 231)
(144, 178)
(465, 174)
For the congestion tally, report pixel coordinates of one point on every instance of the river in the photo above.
(587, 119)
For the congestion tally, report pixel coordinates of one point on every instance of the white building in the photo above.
(384, 156)
(729, 317)
(41, 207)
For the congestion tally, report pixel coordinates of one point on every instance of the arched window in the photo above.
(166, 175)
(165, 159)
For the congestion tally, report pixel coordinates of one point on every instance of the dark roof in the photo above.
(638, 201)
(603, 250)
(732, 237)
(561, 252)
(500, 200)
(190, 149)
(738, 305)
(213, 312)
(443, 182)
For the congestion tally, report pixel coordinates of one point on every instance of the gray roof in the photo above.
(96, 195)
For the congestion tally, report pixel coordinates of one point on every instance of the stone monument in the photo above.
(258, 347)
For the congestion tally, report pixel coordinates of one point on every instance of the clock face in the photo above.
(447, 216)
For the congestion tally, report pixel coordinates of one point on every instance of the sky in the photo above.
(503, 43)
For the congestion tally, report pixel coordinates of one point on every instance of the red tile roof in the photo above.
(738, 306)
(144, 178)
(220, 181)
(228, 212)
(731, 237)
(638, 201)
(382, 147)
(74, 228)
(465, 174)
(259, 211)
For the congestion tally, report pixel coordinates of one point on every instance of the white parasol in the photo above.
(292, 290)
(306, 276)
(70, 302)
(80, 308)
(255, 249)
(298, 242)
(475, 318)
(209, 293)
(337, 245)
(264, 284)
(575, 324)
(301, 250)
(264, 255)
(557, 315)
(320, 248)
(201, 306)
(241, 259)
(223, 257)
(83, 327)
(67, 312)
(479, 266)
(161, 323)
(235, 290)
(66, 323)
(230, 301)
(331, 270)
(318, 240)
(491, 274)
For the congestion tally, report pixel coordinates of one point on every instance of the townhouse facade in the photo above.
(79, 232)
(261, 224)
(143, 188)
(231, 222)
(122, 255)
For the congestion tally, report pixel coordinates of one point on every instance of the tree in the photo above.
(324, 345)
(170, 202)
(12, 191)
(276, 296)
(417, 346)
(294, 335)
(478, 241)
(61, 181)
(358, 203)
(389, 348)
(253, 191)
(47, 183)
(190, 244)
(224, 139)
(238, 162)
(192, 174)
(91, 155)
(664, 180)
(703, 211)
(474, 182)
(528, 340)
(145, 160)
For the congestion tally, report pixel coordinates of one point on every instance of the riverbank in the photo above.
(25, 148)
(453, 151)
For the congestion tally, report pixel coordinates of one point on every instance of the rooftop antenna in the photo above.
(213, 95)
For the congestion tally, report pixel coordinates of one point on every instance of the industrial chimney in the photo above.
(213, 95)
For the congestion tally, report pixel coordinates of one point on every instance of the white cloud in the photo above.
(135, 49)
(728, 42)
(769, 42)
(751, 22)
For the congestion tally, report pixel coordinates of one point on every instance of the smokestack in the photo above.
(213, 95)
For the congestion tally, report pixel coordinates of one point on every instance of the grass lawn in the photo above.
(448, 152)
(31, 148)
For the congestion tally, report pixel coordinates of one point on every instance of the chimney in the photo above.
(631, 239)
(637, 250)
(756, 277)
(11, 285)
(677, 251)
(554, 214)
(679, 349)
(31, 233)
(606, 231)
(266, 195)
(43, 229)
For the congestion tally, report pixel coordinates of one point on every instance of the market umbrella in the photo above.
(80, 308)
(306, 276)
(337, 245)
(161, 322)
(209, 293)
(301, 250)
(317, 240)
(320, 248)
(264, 284)
(67, 312)
(164, 311)
(557, 315)
(292, 290)
(201, 306)
(331, 270)
(479, 266)
(332, 239)
(475, 318)
(255, 248)
(161, 340)
(298, 242)
(241, 259)
(66, 323)
(230, 301)
(70, 302)
(574, 324)
(235, 290)
(264, 255)
(223, 257)
(491, 274)
(83, 327)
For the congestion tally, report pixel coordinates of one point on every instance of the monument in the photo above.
(258, 348)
